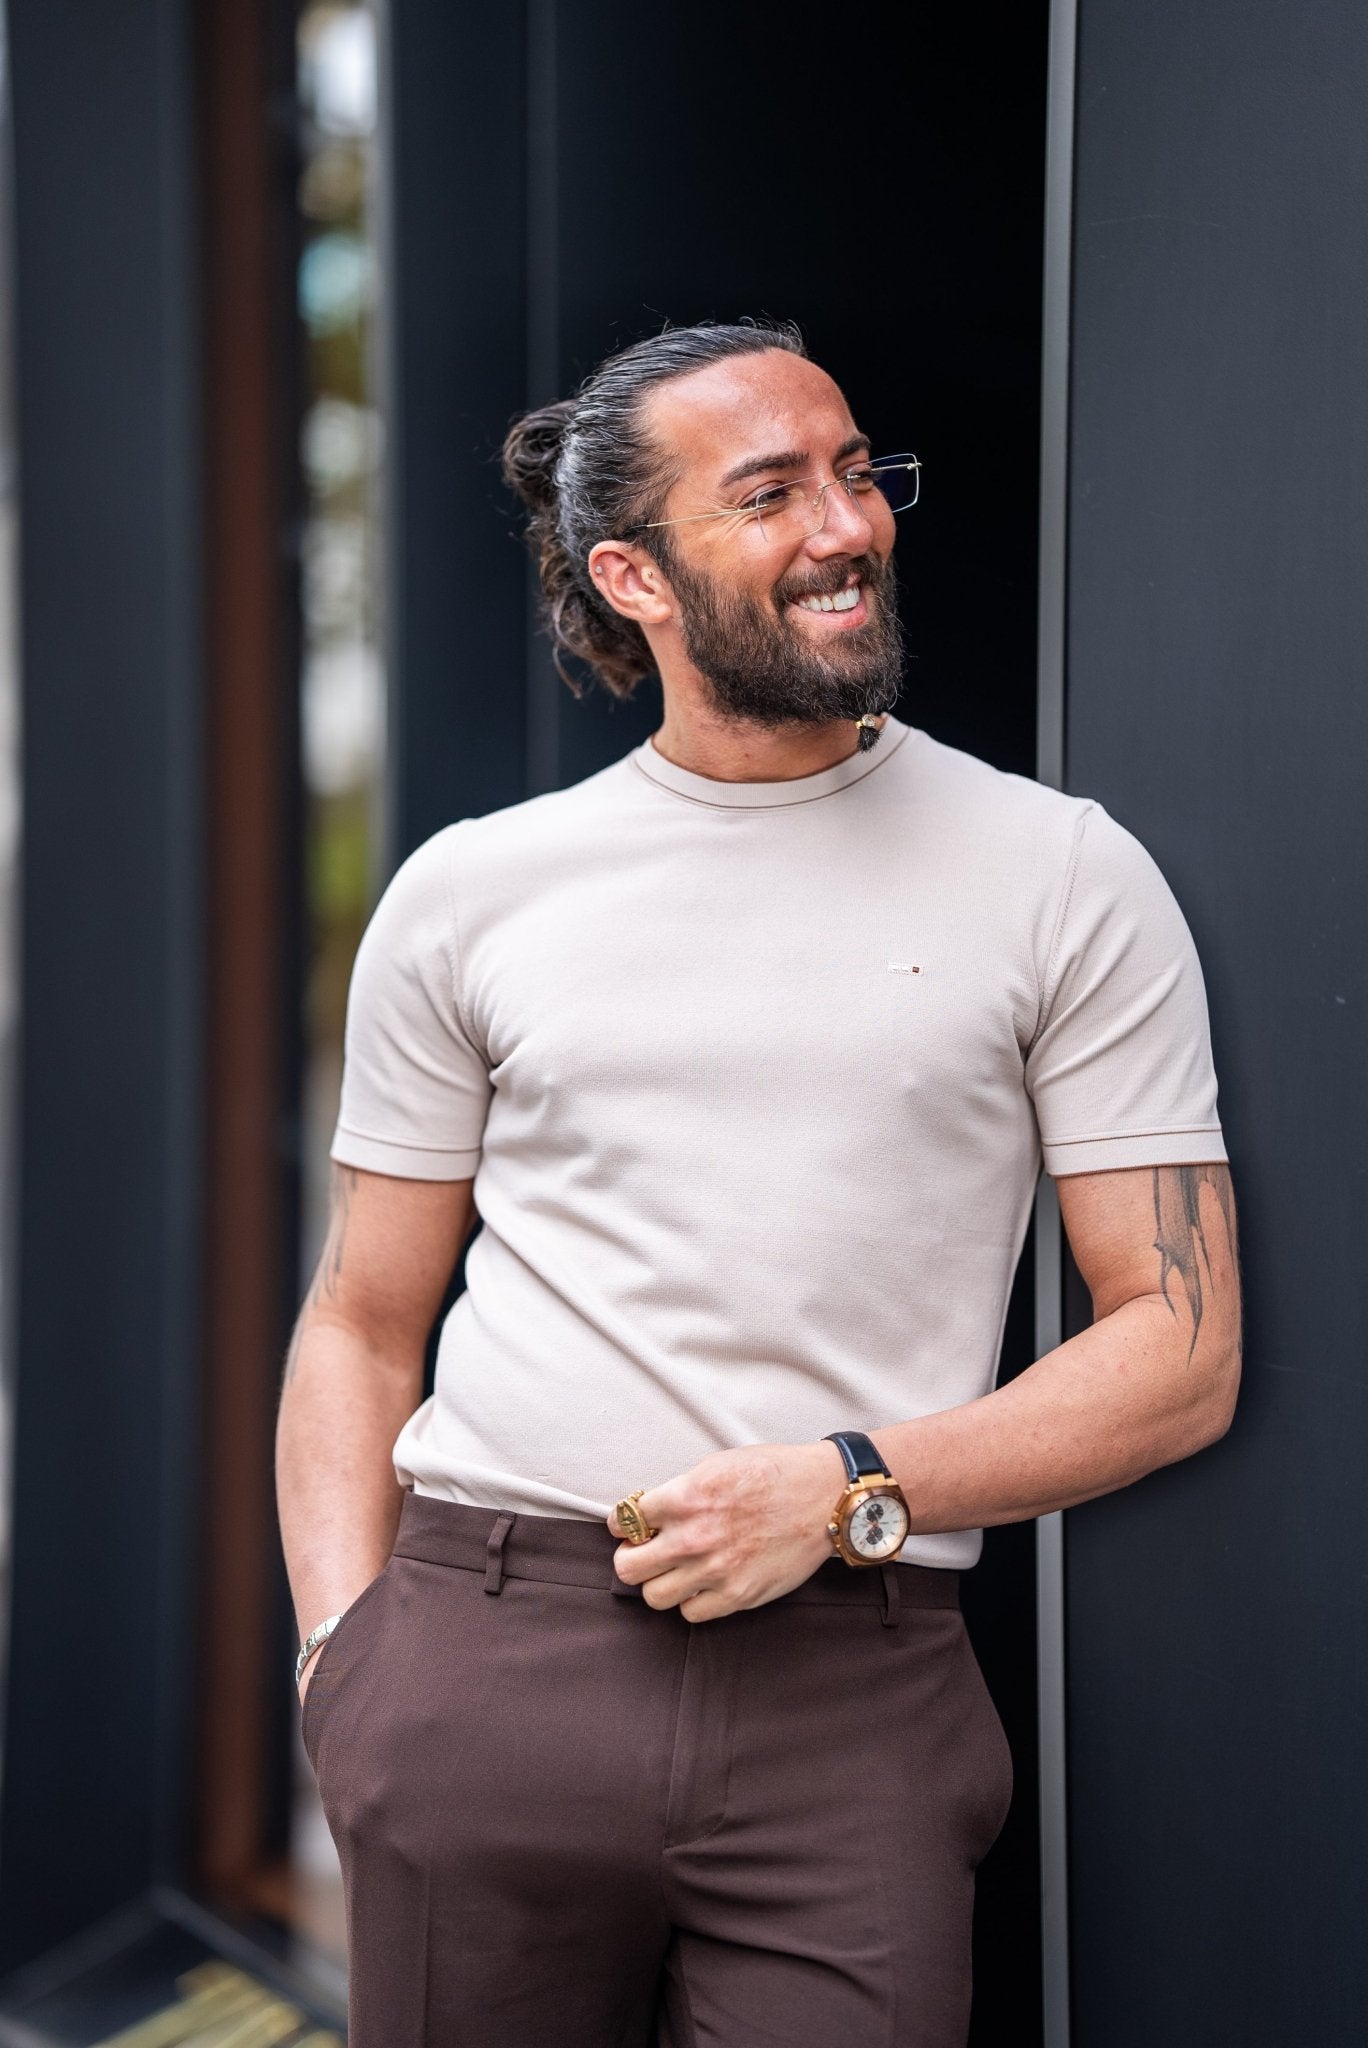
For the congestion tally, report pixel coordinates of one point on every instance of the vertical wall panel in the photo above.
(1218, 617)
(244, 63)
(106, 1366)
(454, 135)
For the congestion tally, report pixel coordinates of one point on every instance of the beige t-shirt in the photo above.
(753, 1080)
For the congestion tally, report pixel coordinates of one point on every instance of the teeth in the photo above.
(843, 601)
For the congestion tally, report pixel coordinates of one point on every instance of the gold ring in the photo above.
(633, 1524)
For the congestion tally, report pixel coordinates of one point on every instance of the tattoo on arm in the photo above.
(1180, 1234)
(328, 1271)
(330, 1265)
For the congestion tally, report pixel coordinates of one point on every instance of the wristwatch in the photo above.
(871, 1519)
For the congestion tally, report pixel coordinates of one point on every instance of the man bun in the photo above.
(531, 451)
(587, 471)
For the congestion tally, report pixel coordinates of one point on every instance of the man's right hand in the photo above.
(353, 1377)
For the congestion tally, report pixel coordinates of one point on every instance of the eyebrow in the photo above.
(788, 458)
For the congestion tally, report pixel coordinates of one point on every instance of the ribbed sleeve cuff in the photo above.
(404, 1162)
(1201, 1145)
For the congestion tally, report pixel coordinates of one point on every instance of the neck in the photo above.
(734, 750)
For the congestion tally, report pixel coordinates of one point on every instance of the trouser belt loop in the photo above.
(494, 1550)
(892, 1595)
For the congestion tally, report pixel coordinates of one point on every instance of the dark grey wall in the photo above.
(92, 1787)
(1218, 617)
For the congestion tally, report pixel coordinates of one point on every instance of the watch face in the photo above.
(877, 1526)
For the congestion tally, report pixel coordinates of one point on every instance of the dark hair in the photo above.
(587, 471)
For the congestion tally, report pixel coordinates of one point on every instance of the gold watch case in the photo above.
(870, 1521)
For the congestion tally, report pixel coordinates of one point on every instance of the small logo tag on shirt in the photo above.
(903, 967)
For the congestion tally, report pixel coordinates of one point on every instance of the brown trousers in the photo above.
(566, 1819)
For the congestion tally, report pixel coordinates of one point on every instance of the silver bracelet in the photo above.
(312, 1641)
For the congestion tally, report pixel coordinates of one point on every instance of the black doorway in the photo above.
(561, 182)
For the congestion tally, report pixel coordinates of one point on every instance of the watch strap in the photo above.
(862, 1459)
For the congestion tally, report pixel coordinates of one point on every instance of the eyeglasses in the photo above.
(795, 511)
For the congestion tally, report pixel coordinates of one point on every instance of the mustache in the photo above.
(831, 577)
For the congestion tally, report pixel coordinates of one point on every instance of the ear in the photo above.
(632, 582)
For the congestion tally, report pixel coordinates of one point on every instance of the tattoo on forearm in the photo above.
(328, 1271)
(1180, 1234)
(330, 1265)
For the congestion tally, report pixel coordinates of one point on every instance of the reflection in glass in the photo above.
(342, 683)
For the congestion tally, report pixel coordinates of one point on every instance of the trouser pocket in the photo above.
(336, 1665)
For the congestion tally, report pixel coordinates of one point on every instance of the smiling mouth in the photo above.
(844, 600)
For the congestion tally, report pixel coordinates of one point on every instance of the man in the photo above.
(656, 1721)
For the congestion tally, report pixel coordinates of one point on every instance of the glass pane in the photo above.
(342, 682)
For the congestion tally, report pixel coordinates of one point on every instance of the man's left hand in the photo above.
(741, 1528)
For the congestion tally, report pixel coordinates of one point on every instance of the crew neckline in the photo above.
(764, 796)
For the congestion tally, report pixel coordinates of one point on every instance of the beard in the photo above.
(761, 667)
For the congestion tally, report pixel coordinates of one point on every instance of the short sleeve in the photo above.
(415, 1087)
(1120, 1070)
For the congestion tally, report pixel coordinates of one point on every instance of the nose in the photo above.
(847, 528)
